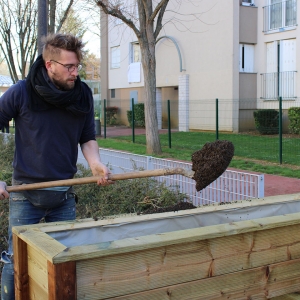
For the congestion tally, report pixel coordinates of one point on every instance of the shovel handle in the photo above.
(94, 179)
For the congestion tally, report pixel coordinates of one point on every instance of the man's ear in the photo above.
(48, 65)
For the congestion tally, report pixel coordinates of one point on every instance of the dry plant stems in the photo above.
(7, 146)
(124, 197)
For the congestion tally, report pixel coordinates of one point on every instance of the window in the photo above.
(246, 58)
(135, 53)
(134, 68)
(280, 79)
(112, 93)
(248, 2)
(115, 57)
(280, 14)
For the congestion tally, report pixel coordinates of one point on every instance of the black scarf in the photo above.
(44, 95)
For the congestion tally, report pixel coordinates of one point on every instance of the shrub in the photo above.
(7, 146)
(294, 118)
(111, 115)
(139, 115)
(266, 121)
(125, 196)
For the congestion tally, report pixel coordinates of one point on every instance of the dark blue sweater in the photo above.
(46, 141)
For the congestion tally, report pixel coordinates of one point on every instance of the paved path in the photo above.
(274, 185)
(279, 185)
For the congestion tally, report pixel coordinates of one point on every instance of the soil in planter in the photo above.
(179, 206)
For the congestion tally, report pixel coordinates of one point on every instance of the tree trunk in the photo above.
(149, 69)
(52, 10)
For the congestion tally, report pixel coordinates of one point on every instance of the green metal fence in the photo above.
(266, 138)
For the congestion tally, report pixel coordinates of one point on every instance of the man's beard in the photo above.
(64, 86)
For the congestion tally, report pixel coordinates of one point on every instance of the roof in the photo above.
(5, 81)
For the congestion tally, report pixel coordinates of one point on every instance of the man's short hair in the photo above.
(54, 43)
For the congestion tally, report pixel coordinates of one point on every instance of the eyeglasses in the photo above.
(70, 68)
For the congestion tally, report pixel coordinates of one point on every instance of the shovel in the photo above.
(94, 179)
(207, 165)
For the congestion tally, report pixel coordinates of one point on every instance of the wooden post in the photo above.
(62, 281)
(20, 269)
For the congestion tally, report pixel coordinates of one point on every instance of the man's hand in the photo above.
(101, 170)
(3, 192)
(90, 151)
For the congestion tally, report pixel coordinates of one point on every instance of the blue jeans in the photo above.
(22, 212)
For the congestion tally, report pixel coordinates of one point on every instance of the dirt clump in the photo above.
(179, 206)
(211, 162)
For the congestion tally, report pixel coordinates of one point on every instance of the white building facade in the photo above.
(242, 52)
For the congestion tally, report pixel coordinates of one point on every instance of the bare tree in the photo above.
(18, 40)
(90, 16)
(147, 30)
(58, 14)
(18, 32)
(73, 24)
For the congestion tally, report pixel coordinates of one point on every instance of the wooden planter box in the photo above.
(222, 253)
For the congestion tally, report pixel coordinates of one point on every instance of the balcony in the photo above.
(279, 84)
(280, 16)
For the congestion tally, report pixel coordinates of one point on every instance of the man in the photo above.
(53, 113)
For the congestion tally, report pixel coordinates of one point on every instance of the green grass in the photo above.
(252, 152)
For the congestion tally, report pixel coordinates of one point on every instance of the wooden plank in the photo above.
(36, 292)
(40, 241)
(88, 223)
(154, 268)
(256, 283)
(62, 281)
(175, 237)
(294, 296)
(20, 269)
(37, 269)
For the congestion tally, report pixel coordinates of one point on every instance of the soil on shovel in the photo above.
(211, 162)
(179, 206)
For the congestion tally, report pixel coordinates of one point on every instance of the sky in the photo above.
(93, 43)
(89, 18)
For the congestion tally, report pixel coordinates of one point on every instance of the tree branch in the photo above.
(64, 16)
(160, 18)
(160, 5)
(52, 10)
(116, 12)
(147, 8)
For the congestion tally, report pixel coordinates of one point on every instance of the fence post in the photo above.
(104, 110)
(149, 163)
(280, 130)
(217, 119)
(261, 186)
(169, 124)
(132, 120)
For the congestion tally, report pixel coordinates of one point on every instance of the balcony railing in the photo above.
(282, 84)
(280, 15)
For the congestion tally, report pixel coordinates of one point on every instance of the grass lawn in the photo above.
(252, 152)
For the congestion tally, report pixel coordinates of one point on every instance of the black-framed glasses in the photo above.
(70, 68)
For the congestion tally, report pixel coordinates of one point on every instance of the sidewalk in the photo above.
(112, 131)
(274, 185)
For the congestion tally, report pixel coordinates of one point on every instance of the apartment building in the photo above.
(242, 52)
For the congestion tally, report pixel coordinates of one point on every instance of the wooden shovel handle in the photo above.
(94, 179)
